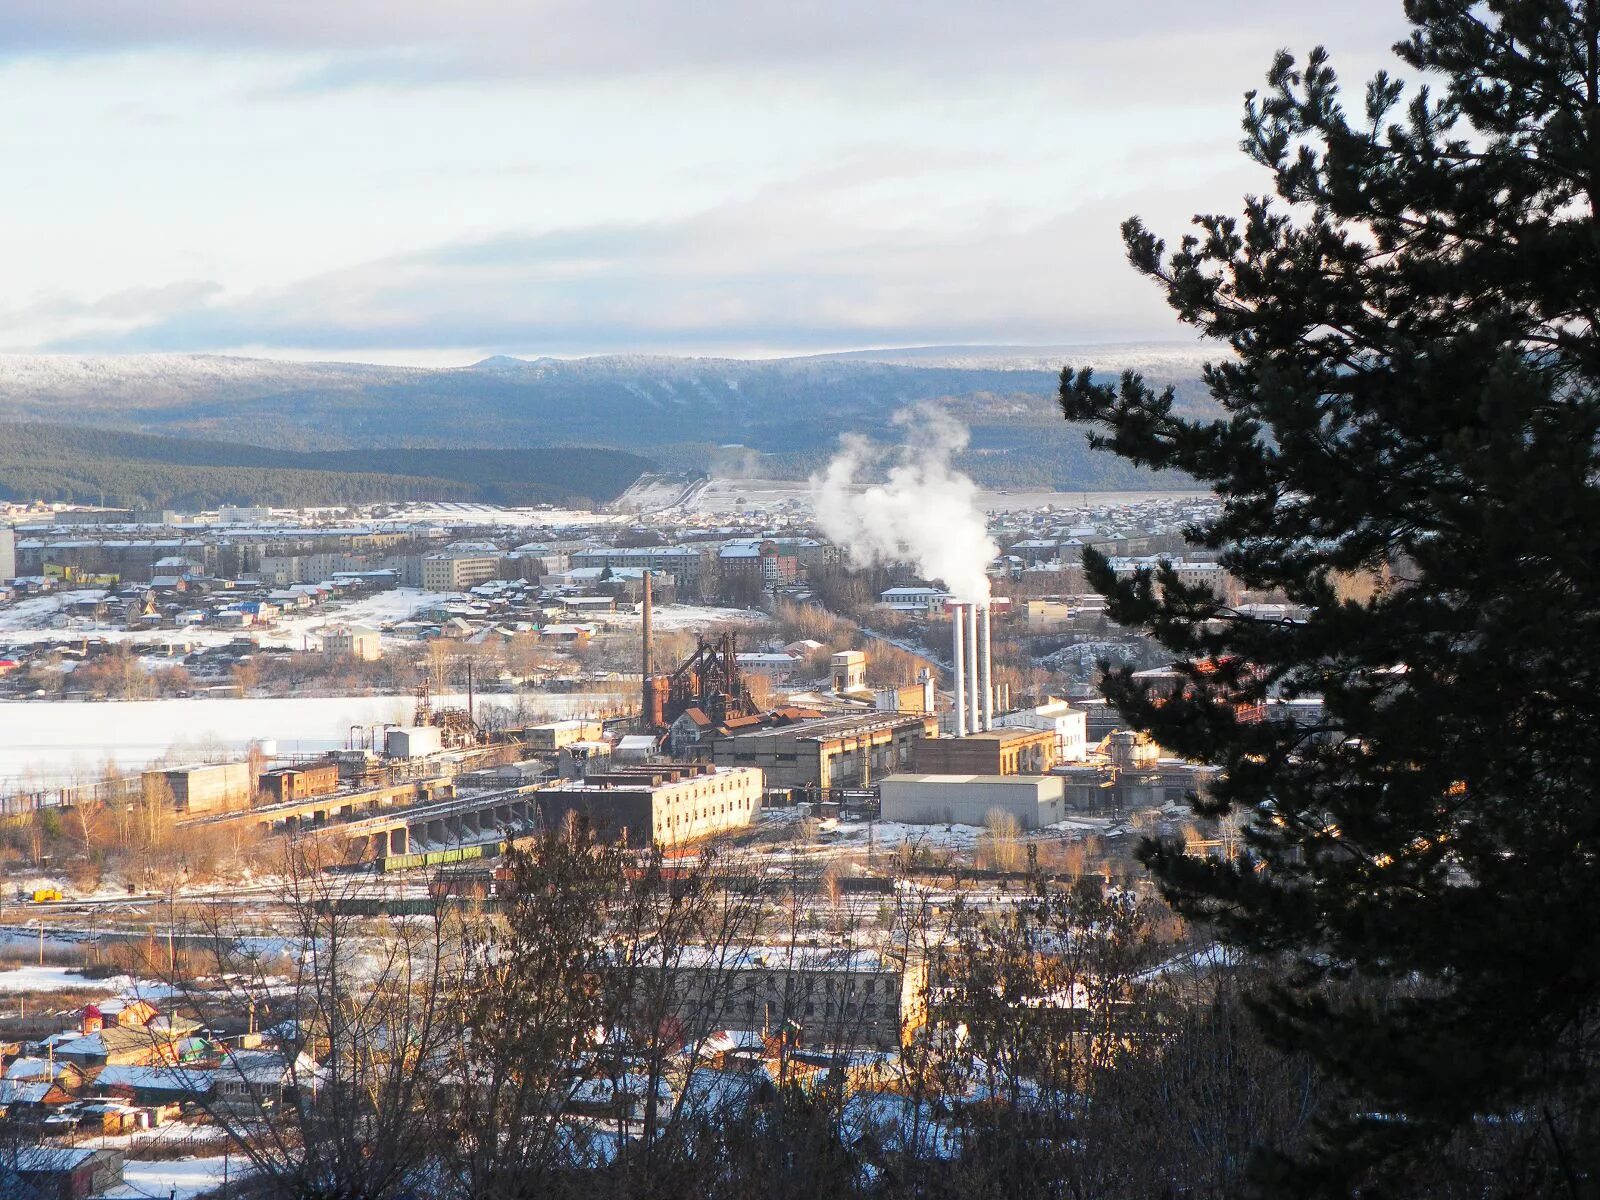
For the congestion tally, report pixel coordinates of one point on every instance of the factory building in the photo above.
(286, 784)
(666, 804)
(826, 752)
(8, 553)
(206, 787)
(1034, 800)
(987, 752)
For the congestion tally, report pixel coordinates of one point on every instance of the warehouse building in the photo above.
(299, 783)
(203, 788)
(1034, 800)
(667, 804)
(827, 752)
(412, 741)
(1000, 751)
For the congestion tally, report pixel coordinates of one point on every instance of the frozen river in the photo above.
(54, 742)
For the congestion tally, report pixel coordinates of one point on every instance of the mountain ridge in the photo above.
(673, 410)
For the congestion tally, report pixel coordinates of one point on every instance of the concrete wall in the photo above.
(215, 787)
(1034, 800)
(1001, 751)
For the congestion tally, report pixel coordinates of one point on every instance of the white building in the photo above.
(413, 741)
(352, 641)
(925, 601)
(1034, 800)
(1070, 725)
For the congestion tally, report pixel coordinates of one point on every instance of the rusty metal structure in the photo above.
(709, 679)
(460, 729)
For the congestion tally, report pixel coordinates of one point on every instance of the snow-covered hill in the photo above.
(674, 410)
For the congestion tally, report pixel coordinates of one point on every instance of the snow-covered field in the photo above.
(58, 979)
(1030, 501)
(689, 616)
(29, 620)
(795, 496)
(465, 513)
(56, 742)
(180, 1179)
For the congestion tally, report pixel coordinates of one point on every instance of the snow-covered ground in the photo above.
(48, 743)
(689, 616)
(180, 1179)
(796, 496)
(29, 620)
(58, 979)
(466, 513)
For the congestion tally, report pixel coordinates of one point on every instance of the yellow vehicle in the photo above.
(45, 895)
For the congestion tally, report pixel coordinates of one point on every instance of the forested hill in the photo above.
(676, 411)
(67, 462)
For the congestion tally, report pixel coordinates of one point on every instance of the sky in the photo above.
(421, 182)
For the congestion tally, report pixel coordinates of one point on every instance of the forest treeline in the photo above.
(68, 463)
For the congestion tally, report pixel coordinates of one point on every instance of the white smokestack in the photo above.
(958, 653)
(974, 720)
(988, 680)
(925, 512)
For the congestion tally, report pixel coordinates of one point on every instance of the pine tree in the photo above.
(1412, 400)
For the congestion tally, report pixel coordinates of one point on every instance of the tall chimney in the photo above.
(647, 685)
(958, 654)
(974, 719)
(989, 684)
(648, 615)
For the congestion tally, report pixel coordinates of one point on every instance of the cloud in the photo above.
(419, 42)
(611, 177)
(789, 269)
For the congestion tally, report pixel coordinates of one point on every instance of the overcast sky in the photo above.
(430, 182)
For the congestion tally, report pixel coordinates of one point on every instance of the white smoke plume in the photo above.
(926, 512)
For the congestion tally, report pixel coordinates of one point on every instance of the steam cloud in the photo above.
(925, 513)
